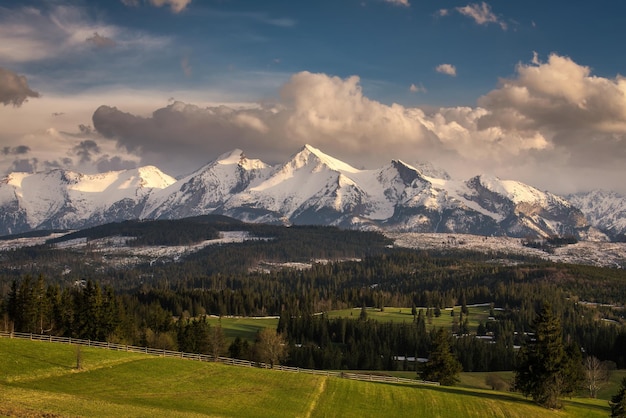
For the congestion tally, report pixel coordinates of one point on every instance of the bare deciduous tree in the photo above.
(596, 373)
(270, 347)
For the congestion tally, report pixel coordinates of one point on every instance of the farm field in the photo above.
(247, 327)
(476, 314)
(242, 327)
(40, 377)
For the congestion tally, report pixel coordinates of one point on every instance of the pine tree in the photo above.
(618, 402)
(545, 371)
(441, 366)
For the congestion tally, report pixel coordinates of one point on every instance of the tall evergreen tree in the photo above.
(618, 402)
(441, 366)
(545, 371)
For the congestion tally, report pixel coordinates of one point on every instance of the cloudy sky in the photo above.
(523, 89)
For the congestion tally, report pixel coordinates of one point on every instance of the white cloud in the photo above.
(31, 35)
(404, 3)
(413, 88)
(554, 125)
(176, 6)
(480, 13)
(448, 69)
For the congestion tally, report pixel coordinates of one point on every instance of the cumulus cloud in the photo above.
(554, 124)
(329, 112)
(14, 88)
(480, 13)
(448, 69)
(581, 115)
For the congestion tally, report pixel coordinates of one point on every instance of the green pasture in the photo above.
(394, 314)
(243, 327)
(247, 327)
(41, 379)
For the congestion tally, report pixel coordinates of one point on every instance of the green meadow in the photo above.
(242, 327)
(394, 314)
(41, 379)
(247, 327)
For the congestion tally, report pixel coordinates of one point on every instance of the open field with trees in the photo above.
(321, 298)
(38, 378)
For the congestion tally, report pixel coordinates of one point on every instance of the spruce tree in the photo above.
(618, 402)
(545, 371)
(441, 366)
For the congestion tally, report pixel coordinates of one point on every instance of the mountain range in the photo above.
(310, 188)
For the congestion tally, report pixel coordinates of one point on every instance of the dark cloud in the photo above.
(328, 112)
(24, 165)
(86, 149)
(20, 149)
(100, 41)
(14, 88)
(85, 129)
(115, 163)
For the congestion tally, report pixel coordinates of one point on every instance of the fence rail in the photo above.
(210, 358)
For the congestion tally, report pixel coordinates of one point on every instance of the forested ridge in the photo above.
(163, 305)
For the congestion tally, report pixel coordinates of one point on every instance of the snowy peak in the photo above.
(207, 189)
(316, 160)
(238, 157)
(604, 210)
(62, 198)
(310, 188)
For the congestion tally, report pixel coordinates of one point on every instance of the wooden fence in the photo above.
(209, 358)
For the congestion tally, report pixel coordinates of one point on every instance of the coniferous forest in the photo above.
(51, 290)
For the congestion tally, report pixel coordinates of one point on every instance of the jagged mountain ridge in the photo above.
(310, 188)
(604, 209)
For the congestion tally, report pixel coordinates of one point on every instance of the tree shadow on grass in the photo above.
(507, 397)
(495, 395)
(50, 362)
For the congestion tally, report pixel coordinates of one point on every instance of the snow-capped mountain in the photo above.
(310, 188)
(605, 210)
(207, 189)
(66, 199)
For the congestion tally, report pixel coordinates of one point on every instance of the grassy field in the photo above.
(41, 379)
(242, 327)
(394, 314)
(247, 327)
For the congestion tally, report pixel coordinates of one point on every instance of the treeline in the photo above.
(158, 232)
(146, 314)
(274, 244)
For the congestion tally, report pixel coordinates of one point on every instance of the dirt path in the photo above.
(316, 396)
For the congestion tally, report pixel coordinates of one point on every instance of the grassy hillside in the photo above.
(39, 378)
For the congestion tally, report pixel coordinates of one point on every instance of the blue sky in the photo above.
(526, 90)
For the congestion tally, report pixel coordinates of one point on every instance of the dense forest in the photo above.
(162, 304)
